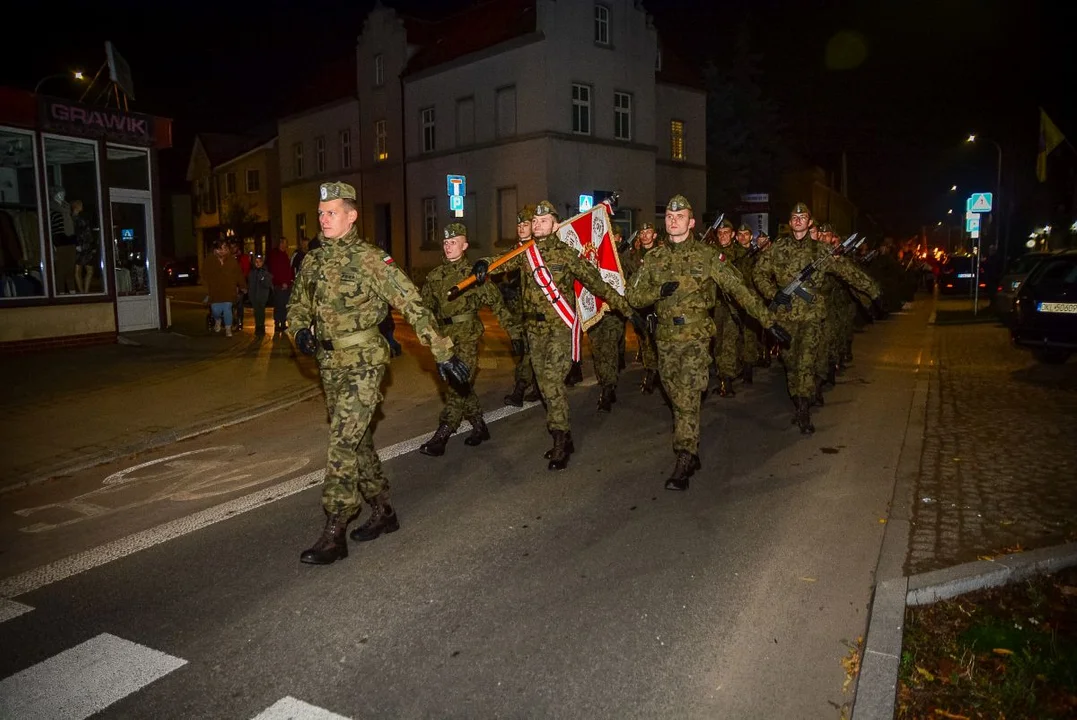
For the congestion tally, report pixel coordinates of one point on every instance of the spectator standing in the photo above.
(280, 267)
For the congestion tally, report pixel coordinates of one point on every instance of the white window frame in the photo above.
(257, 180)
(379, 70)
(300, 227)
(622, 116)
(42, 218)
(319, 154)
(602, 24)
(676, 140)
(428, 129)
(381, 141)
(581, 109)
(346, 148)
(430, 221)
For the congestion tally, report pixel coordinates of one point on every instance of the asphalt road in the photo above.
(511, 591)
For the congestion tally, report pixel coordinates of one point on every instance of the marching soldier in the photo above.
(549, 268)
(459, 321)
(751, 349)
(607, 348)
(806, 320)
(511, 288)
(631, 262)
(726, 318)
(343, 290)
(679, 280)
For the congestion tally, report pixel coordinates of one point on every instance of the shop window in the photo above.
(74, 217)
(128, 168)
(21, 247)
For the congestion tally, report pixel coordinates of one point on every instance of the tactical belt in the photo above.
(534, 317)
(461, 318)
(351, 340)
(681, 320)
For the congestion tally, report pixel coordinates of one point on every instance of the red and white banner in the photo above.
(559, 302)
(589, 234)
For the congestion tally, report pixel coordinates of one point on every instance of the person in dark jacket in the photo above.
(280, 267)
(259, 289)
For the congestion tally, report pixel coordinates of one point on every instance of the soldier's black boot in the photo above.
(607, 398)
(746, 375)
(533, 394)
(331, 545)
(479, 431)
(649, 378)
(516, 397)
(575, 374)
(686, 465)
(568, 445)
(804, 416)
(435, 446)
(818, 399)
(562, 448)
(725, 387)
(382, 521)
(620, 361)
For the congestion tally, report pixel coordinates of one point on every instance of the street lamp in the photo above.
(950, 211)
(972, 138)
(953, 188)
(76, 75)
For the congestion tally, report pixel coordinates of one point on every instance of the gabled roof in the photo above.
(482, 25)
(221, 148)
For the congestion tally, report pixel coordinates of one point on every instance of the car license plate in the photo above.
(964, 275)
(183, 275)
(1049, 307)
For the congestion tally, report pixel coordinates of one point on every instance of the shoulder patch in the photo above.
(388, 259)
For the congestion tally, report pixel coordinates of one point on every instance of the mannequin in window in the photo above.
(86, 249)
(62, 226)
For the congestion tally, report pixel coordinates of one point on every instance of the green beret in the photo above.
(725, 225)
(337, 191)
(546, 208)
(678, 202)
(454, 229)
(646, 226)
(526, 213)
(744, 227)
(800, 208)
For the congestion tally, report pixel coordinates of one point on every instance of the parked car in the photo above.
(957, 276)
(1015, 274)
(1045, 313)
(181, 272)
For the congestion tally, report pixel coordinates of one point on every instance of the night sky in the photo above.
(896, 85)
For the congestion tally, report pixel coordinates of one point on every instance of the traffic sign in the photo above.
(975, 234)
(456, 202)
(456, 185)
(972, 224)
(979, 203)
(586, 202)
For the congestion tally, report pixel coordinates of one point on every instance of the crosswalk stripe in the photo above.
(10, 609)
(288, 708)
(83, 680)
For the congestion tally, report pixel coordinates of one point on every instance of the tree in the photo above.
(239, 221)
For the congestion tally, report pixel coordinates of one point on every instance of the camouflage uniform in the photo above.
(512, 290)
(728, 327)
(631, 262)
(343, 290)
(548, 336)
(685, 325)
(459, 321)
(751, 347)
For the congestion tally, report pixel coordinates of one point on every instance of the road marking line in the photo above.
(83, 680)
(72, 565)
(10, 609)
(288, 708)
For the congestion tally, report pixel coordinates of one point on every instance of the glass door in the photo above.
(136, 281)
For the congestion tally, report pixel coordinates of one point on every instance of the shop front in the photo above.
(79, 221)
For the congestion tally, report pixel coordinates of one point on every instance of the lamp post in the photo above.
(76, 75)
(972, 138)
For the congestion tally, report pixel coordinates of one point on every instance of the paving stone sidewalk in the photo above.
(999, 465)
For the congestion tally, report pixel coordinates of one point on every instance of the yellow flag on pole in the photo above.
(1050, 138)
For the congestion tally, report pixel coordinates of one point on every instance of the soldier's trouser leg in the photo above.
(725, 341)
(524, 371)
(802, 357)
(650, 353)
(353, 470)
(606, 337)
(751, 349)
(551, 355)
(684, 368)
(457, 406)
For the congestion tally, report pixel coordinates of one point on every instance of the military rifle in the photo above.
(869, 257)
(625, 244)
(713, 228)
(796, 287)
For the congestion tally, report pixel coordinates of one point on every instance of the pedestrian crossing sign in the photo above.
(979, 203)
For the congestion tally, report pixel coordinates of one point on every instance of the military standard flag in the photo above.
(1050, 138)
(589, 234)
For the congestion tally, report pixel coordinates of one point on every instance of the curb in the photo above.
(161, 439)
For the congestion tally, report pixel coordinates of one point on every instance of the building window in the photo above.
(581, 109)
(505, 109)
(297, 154)
(254, 181)
(465, 122)
(345, 149)
(209, 196)
(602, 25)
(300, 227)
(426, 120)
(23, 239)
(676, 139)
(379, 70)
(319, 153)
(381, 143)
(622, 116)
(430, 222)
(230, 183)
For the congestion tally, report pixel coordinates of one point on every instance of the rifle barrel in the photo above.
(455, 290)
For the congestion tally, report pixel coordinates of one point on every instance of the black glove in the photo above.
(669, 288)
(304, 341)
(456, 372)
(780, 334)
(781, 298)
(510, 293)
(878, 309)
(518, 347)
(479, 271)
